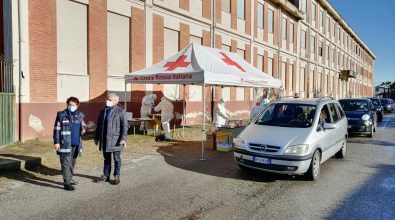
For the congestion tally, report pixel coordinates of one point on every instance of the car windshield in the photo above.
(375, 101)
(354, 105)
(287, 115)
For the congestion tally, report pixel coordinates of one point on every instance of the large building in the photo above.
(83, 48)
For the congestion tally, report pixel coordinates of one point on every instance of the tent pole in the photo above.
(183, 120)
(203, 120)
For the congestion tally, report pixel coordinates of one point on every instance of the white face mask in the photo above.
(109, 103)
(72, 108)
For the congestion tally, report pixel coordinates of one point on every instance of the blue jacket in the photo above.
(62, 130)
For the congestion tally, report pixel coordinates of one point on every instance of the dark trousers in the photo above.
(68, 163)
(107, 163)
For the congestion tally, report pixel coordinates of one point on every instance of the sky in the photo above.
(374, 23)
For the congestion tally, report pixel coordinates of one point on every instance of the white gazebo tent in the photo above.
(204, 66)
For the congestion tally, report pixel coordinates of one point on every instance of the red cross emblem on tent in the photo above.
(231, 62)
(180, 62)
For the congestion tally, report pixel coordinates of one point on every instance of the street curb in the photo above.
(13, 164)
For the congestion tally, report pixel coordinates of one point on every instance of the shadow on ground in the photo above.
(187, 155)
(34, 173)
(375, 199)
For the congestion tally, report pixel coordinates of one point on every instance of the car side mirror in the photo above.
(329, 126)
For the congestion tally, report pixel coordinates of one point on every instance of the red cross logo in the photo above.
(230, 62)
(180, 62)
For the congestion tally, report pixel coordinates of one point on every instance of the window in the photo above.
(241, 53)
(303, 39)
(225, 93)
(241, 9)
(226, 5)
(338, 57)
(303, 5)
(313, 12)
(333, 55)
(240, 94)
(195, 39)
(284, 28)
(327, 24)
(270, 66)
(72, 35)
(320, 49)
(260, 15)
(327, 52)
(291, 32)
(321, 18)
(171, 39)
(312, 44)
(287, 115)
(333, 29)
(270, 20)
(335, 116)
(340, 110)
(259, 63)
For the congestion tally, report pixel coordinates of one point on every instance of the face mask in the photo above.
(109, 103)
(72, 108)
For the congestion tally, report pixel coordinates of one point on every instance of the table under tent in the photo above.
(205, 66)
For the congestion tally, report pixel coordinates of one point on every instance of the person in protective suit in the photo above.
(259, 108)
(166, 108)
(147, 103)
(220, 115)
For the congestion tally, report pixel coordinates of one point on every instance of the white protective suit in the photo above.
(147, 103)
(258, 109)
(166, 108)
(220, 116)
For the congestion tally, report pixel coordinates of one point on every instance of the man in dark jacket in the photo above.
(69, 126)
(111, 134)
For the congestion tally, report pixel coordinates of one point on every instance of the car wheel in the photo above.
(314, 170)
(342, 152)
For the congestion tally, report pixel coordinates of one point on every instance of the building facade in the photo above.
(84, 48)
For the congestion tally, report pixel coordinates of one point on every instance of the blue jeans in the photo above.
(107, 163)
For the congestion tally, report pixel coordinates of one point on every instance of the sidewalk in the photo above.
(37, 162)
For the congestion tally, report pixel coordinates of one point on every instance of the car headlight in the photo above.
(297, 149)
(388, 106)
(239, 143)
(365, 117)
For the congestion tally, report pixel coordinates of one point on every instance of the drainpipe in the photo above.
(279, 28)
(213, 24)
(21, 76)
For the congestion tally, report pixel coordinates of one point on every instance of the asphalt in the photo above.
(175, 184)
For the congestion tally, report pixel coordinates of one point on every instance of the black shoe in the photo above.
(69, 187)
(73, 182)
(104, 179)
(117, 180)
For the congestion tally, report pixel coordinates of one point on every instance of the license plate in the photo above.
(350, 126)
(262, 160)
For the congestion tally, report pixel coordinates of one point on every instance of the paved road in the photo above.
(175, 184)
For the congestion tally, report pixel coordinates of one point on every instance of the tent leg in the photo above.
(203, 120)
(183, 120)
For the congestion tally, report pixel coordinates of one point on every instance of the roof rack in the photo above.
(325, 97)
(286, 97)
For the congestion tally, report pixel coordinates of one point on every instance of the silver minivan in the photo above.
(293, 136)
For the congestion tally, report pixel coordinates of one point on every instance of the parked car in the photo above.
(379, 109)
(387, 104)
(293, 137)
(361, 116)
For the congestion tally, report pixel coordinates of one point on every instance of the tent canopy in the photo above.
(197, 64)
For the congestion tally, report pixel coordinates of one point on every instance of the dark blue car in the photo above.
(379, 109)
(361, 116)
(387, 104)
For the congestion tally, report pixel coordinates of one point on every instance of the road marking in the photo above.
(385, 124)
